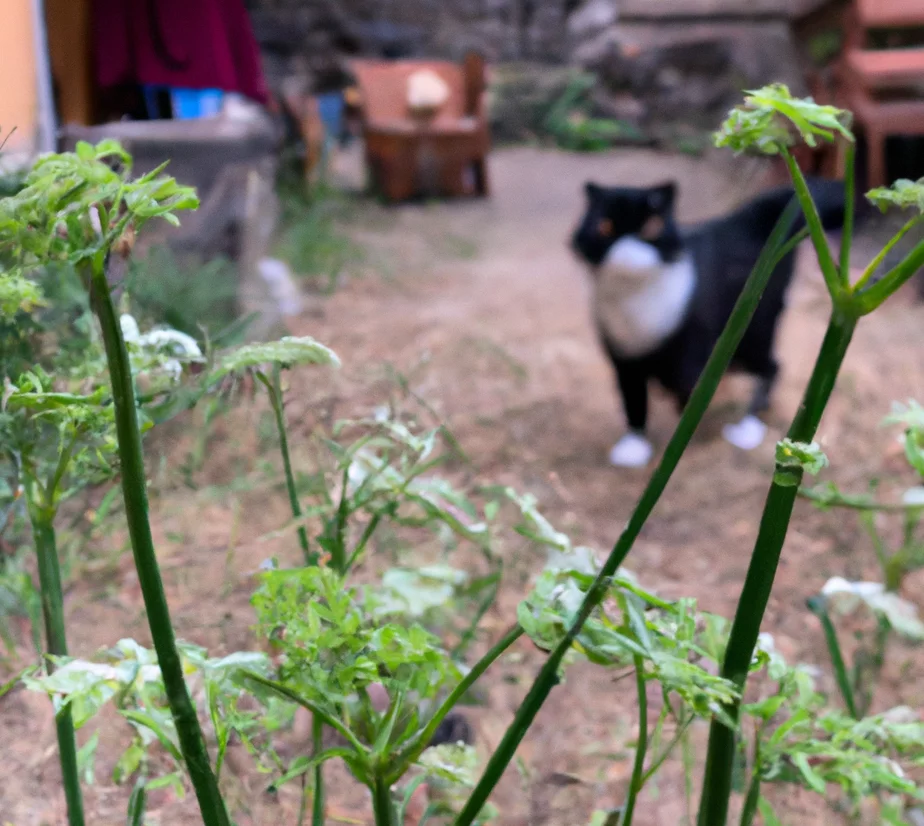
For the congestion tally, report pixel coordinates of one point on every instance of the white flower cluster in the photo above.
(161, 349)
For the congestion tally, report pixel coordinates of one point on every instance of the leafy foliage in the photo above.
(903, 194)
(128, 676)
(287, 352)
(76, 206)
(771, 119)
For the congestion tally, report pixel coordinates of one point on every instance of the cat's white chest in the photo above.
(640, 300)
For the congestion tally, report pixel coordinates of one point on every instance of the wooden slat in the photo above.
(887, 67)
(886, 14)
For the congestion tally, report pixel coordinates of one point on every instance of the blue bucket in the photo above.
(189, 104)
(330, 109)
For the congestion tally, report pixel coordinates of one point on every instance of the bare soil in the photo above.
(482, 307)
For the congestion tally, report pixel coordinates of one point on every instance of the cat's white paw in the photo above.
(631, 450)
(747, 434)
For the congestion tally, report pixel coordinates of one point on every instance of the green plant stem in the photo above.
(468, 636)
(868, 668)
(363, 541)
(750, 801)
(762, 570)
(850, 188)
(316, 710)
(413, 750)
(383, 808)
(547, 678)
(658, 761)
(874, 264)
(303, 803)
(885, 287)
(276, 400)
(835, 499)
(134, 491)
(833, 277)
(641, 746)
(49, 570)
(317, 741)
(817, 607)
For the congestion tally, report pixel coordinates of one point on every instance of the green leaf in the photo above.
(606, 817)
(903, 194)
(173, 780)
(287, 352)
(810, 776)
(450, 762)
(767, 813)
(128, 763)
(140, 718)
(414, 592)
(795, 458)
(86, 687)
(302, 765)
(771, 118)
(18, 294)
(86, 759)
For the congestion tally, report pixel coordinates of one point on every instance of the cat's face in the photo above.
(614, 213)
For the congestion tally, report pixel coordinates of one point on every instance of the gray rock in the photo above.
(591, 17)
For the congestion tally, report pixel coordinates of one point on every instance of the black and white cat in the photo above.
(662, 295)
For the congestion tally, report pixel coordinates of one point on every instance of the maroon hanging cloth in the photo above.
(194, 44)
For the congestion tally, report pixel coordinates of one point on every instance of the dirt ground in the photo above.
(483, 308)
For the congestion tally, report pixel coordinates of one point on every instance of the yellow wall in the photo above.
(18, 94)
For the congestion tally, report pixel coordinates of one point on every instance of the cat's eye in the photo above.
(605, 227)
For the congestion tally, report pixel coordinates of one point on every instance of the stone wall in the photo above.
(658, 61)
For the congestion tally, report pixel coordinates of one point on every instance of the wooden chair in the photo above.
(407, 156)
(884, 88)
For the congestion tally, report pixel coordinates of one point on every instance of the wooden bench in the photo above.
(884, 88)
(408, 156)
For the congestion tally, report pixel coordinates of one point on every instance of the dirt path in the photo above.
(485, 311)
(512, 363)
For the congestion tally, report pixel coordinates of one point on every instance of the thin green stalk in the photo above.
(867, 669)
(303, 803)
(43, 532)
(313, 707)
(317, 742)
(276, 400)
(762, 570)
(470, 632)
(886, 286)
(657, 762)
(850, 189)
(641, 746)
(874, 264)
(134, 491)
(751, 800)
(547, 678)
(817, 607)
(828, 268)
(363, 541)
(383, 809)
(862, 503)
(414, 749)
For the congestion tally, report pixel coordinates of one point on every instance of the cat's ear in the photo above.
(593, 191)
(661, 198)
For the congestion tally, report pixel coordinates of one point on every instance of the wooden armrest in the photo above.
(887, 67)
